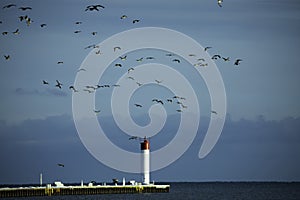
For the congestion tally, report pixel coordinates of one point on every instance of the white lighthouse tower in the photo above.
(145, 148)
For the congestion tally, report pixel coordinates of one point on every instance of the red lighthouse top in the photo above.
(145, 145)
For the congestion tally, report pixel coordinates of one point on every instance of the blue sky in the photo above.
(262, 92)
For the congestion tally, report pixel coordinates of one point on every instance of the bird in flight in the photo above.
(140, 59)
(179, 110)
(118, 65)
(78, 22)
(117, 48)
(158, 81)
(94, 33)
(133, 137)
(81, 69)
(25, 8)
(58, 84)
(4, 33)
(9, 6)
(226, 59)
(61, 165)
(206, 48)
(130, 77)
(138, 105)
(123, 17)
(123, 57)
(97, 111)
(139, 84)
(60, 62)
(237, 61)
(158, 101)
(45, 82)
(214, 112)
(150, 58)
(176, 60)
(43, 25)
(130, 69)
(170, 100)
(7, 57)
(220, 3)
(215, 57)
(94, 7)
(16, 32)
(73, 88)
(135, 21)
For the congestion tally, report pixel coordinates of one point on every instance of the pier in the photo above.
(82, 190)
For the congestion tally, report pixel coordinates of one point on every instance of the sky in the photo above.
(260, 139)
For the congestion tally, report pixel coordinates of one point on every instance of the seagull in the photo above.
(206, 48)
(158, 101)
(170, 100)
(117, 48)
(73, 88)
(135, 21)
(81, 69)
(123, 57)
(179, 110)
(225, 59)
(25, 8)
(43, 25)
(61, 165)
(215, 57)
(214, 112)
(78, 22)
(220, 3)
(89, 91)
(123, 17)
(94, 33)
(130, 69)
(58, 84)
(118, 65)
(169, 54)
(94, 7)
(158, 81)
(237, 61)
(201, 59)
(98, 52)
(97, 111)
(16, 32)
(4, 33)
(7, 57)
(139, 84)
(60, 62)
(138, 105)
(140, 59)
(45, 82)
(78, 31)
(150, 58)
(176, 60)
(133, 137)
(9, 6)
(130, 77)
(116, 85)
(183, 106)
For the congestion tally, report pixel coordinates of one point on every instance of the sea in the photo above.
(205, 191)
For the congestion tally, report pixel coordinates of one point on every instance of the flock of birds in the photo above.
(200, 62)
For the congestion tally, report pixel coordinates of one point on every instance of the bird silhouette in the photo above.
(158, 81)
(206, 48)
(140, 59)
(81, 69)
(130, 77)
(16, 32)
(169, 54)
(9, 6)
(123, 57)
(158, 101)
(58, 84)
(7, 57)
(123, 17)
(94, 33)
(94, 7)
(130, 69)
(60, 62)
(97, 111)
(135, 21)
(226, 59)
(43, 25)
(214, 112)
(169, 100)
(118, 65)
(133, 138)
(150, 58)
(25, 8)
(139, 84)
(237, 61)
(61, 165)
(138, 105)
(73, 88)
(4, 33)
(215, 57)
(176, 60)
(117, 48)
(179, 110)
(45, 82)
(220, 3)
(78, 31)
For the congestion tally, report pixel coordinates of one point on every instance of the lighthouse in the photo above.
(145, 148)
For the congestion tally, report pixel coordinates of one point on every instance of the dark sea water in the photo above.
(206, 191)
